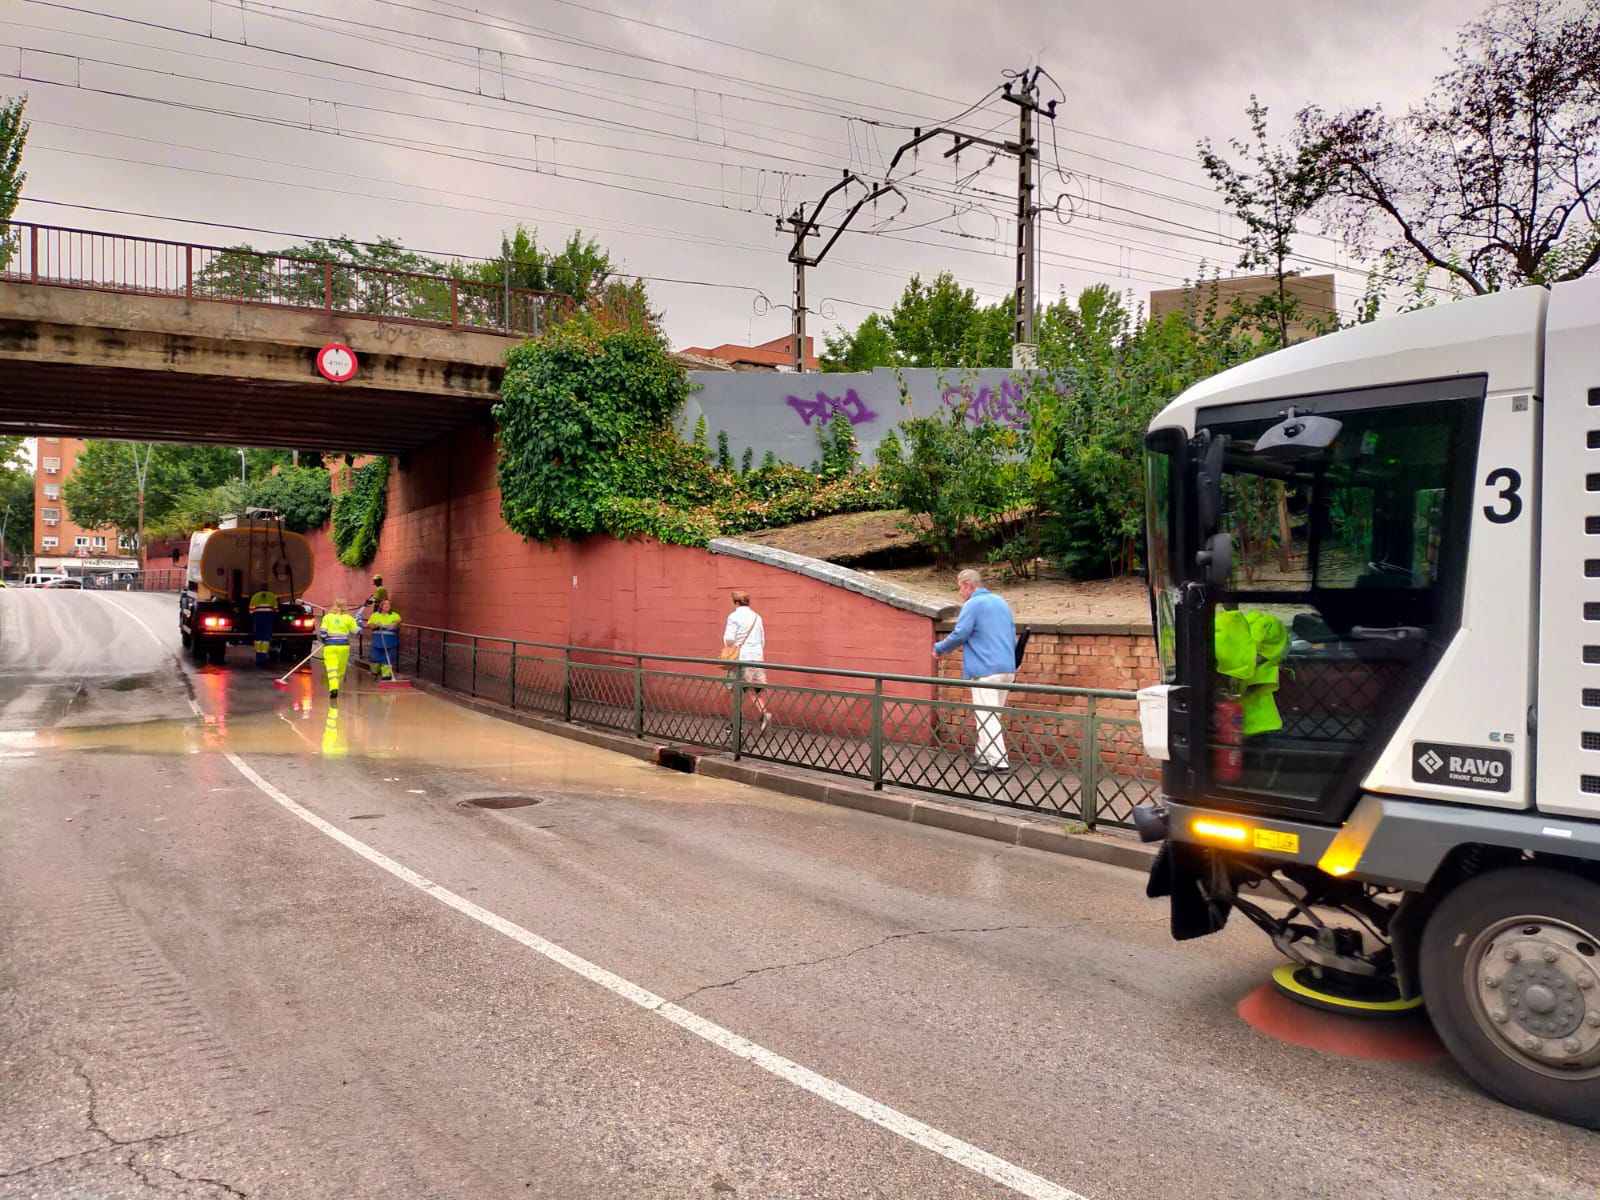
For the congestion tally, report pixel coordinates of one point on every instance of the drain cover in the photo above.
(498, 802)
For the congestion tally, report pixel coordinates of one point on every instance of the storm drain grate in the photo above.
(499, 801)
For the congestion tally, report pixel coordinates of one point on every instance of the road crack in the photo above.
(93, 1126)
(833, 958)
(204, 1180)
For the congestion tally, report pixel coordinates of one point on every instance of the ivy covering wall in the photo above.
(358, 512)
(587, 446)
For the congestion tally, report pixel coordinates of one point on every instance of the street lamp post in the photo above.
(242, 478)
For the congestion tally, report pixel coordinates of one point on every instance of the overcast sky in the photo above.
(676, 132)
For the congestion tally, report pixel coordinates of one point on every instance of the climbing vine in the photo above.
(587, 445)
(358, 512)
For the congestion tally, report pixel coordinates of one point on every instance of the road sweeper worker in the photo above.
(379, 592)
(263, 618)
(337, 629)
(385, 626)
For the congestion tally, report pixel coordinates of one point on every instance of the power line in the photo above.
(414, 144)
(566, 114)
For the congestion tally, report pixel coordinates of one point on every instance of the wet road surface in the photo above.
(208, 991)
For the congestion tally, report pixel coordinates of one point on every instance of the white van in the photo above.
(40, 578)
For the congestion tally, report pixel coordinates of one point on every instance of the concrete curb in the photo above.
(979, 821)
(846, 577)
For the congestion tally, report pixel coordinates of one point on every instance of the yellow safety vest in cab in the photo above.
(1249, 648)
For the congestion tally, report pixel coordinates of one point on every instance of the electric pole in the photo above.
(1024, 93)
(797, 223)
(803, 227)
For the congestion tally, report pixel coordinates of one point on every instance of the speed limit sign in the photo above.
(337, 362)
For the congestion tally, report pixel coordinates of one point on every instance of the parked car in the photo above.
(40, 578)
(63, 583)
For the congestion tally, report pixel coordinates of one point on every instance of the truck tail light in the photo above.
(216, 623)
(304, 622)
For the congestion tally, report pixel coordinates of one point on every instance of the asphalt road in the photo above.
(247, 951)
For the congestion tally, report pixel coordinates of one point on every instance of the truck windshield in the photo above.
(1346, 576)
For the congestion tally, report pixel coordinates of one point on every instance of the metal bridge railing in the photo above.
(1074, 752)
(114, 262)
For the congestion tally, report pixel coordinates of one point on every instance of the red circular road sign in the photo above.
(337, 362)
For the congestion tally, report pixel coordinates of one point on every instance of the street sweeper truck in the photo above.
(1374, 565)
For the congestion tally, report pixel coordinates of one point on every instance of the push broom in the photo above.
(282, 682)
(394, 683)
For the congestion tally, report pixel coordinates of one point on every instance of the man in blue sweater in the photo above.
(988, 634)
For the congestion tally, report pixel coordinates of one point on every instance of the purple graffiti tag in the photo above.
(821, 408)
(1000, 406)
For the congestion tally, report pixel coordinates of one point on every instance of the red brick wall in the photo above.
(448, 560)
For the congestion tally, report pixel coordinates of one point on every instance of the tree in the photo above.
(870, 344)
(1494, 179)
(580, 269)
(938, 325)
(103, 490)
(1270, 193)
(16, 499)
(1114, 372)
(349, 275)
(13, 137)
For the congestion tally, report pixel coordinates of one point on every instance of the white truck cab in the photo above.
(1375, 581)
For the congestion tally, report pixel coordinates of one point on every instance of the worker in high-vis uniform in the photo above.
(385, 627)
(263, 619)
(337, 631)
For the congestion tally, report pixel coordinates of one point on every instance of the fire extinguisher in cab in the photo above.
(1227, 755)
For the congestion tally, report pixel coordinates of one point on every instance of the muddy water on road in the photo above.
(395, 735)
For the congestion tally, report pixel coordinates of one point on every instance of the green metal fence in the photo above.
(1074, 752)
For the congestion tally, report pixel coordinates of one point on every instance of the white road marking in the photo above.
(963, 1154)
(957, 1151)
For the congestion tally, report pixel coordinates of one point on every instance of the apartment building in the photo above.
(58, 544)
(1315, 294)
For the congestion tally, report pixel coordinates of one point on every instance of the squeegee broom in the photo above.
(282, 682)
(394, 683)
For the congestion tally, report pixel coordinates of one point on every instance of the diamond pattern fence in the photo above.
(1071, 752)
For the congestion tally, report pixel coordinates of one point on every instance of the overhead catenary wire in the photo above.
(643, 130)
(1174, 229)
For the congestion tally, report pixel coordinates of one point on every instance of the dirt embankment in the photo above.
(875, 543)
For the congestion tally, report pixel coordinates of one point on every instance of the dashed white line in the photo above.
(963, 1154)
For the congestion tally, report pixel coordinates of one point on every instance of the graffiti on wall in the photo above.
(1000, 405)
(779, 413)
(820, 408)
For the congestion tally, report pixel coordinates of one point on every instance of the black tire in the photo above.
(218, 653)
(1518, 897)
(197, 651)
(184, 637)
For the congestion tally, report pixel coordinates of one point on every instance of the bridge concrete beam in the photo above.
(256, 342)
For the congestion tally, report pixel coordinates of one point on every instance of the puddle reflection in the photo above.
(402, 732)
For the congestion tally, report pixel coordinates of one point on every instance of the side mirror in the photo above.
(1216, 560)
(1208, 481)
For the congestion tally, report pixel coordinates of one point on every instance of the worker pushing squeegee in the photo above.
(334, 637)
(385, 646)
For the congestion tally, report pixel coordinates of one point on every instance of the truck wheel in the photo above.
(219, 653)
(184, 637)
(1511, 974)
(197, 651)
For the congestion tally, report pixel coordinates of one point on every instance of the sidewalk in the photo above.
(972, 816)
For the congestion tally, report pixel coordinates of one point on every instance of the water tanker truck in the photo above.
(1374, 564)
(228, 565)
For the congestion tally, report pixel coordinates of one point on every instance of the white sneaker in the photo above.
(766, 721)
